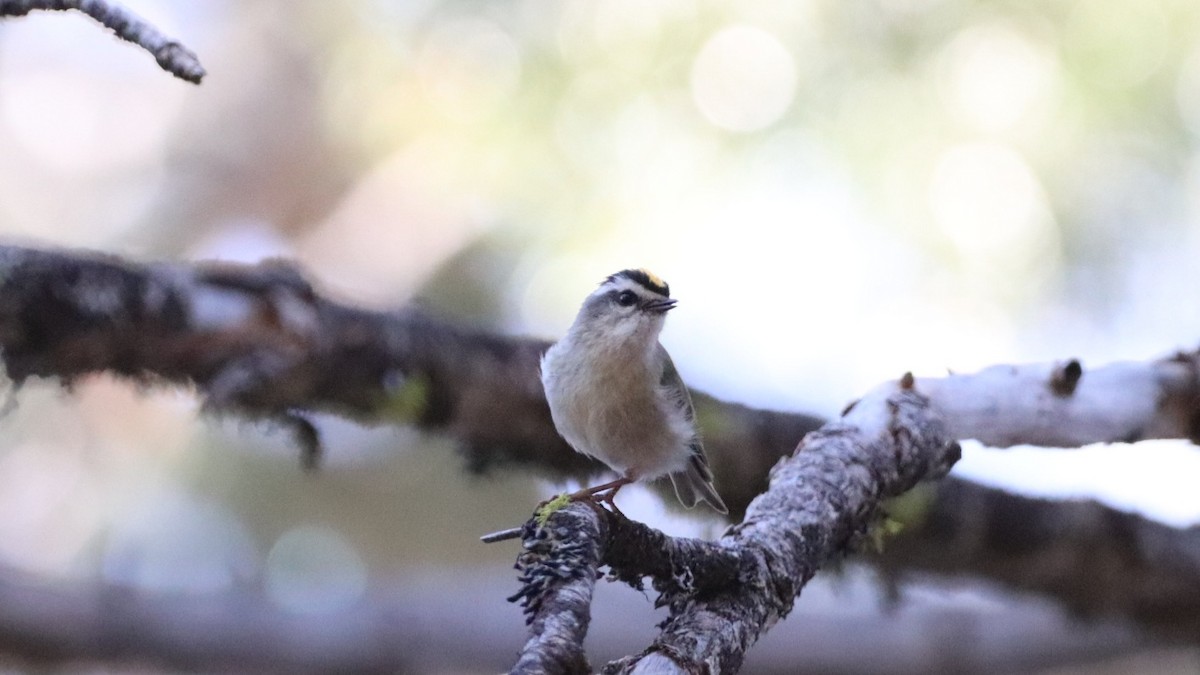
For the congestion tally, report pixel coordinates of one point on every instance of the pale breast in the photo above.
(615, 413)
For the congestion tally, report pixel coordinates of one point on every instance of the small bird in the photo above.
(615, 395)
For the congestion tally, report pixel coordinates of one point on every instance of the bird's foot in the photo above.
(602, 494)
(607, 498)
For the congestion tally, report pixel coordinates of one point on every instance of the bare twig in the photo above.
(1065, 377)
(172, 56)
(501, 535)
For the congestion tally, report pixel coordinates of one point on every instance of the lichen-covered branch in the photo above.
(557, 567)
(172, 56)
(814, 507)
(260, 342)
(821, 500)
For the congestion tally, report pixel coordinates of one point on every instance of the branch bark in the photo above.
(1063, 405)
(171, 55)
(724, 595)
(558, 574)
(805, 523)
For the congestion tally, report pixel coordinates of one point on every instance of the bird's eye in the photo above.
(626, 298)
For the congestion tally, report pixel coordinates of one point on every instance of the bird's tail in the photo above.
(694, 484)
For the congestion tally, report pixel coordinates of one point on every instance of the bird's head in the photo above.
(629, 305)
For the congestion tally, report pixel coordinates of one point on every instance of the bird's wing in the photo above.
(695, 482)
(671, 381)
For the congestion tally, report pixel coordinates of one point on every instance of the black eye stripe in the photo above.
(625, 298)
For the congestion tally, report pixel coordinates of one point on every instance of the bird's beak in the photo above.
(660, 306)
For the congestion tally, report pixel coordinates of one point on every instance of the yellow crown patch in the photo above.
(654, 278)
(646, 279)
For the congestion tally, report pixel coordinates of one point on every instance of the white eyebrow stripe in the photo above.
(623, 284)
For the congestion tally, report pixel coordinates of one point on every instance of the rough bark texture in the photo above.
(821, 501)
(834, 485)
(558, 573)
(172, 56)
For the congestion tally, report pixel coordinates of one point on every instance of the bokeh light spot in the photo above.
(995, 75)
(744, 79)
(312, 569)
(182, 543)
(984, 197)
(468, 66)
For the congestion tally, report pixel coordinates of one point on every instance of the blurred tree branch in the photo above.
(259, 341)
(389, 630)
(172, 56)
(1095, 560)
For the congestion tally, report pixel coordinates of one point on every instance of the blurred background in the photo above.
(837, 192)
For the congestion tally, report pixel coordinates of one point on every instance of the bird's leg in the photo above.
(613, 485)
(610, 495)
(603, 493)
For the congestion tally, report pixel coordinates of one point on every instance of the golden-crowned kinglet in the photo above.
(615, 395)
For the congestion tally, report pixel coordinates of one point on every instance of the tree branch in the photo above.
(172, 56)
(259, 341)
(557, 573)
(706, 634)
(821, 501)
(1095, 560)
(1063, 405)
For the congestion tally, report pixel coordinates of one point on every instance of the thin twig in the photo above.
(502, 535)
(171, 55)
